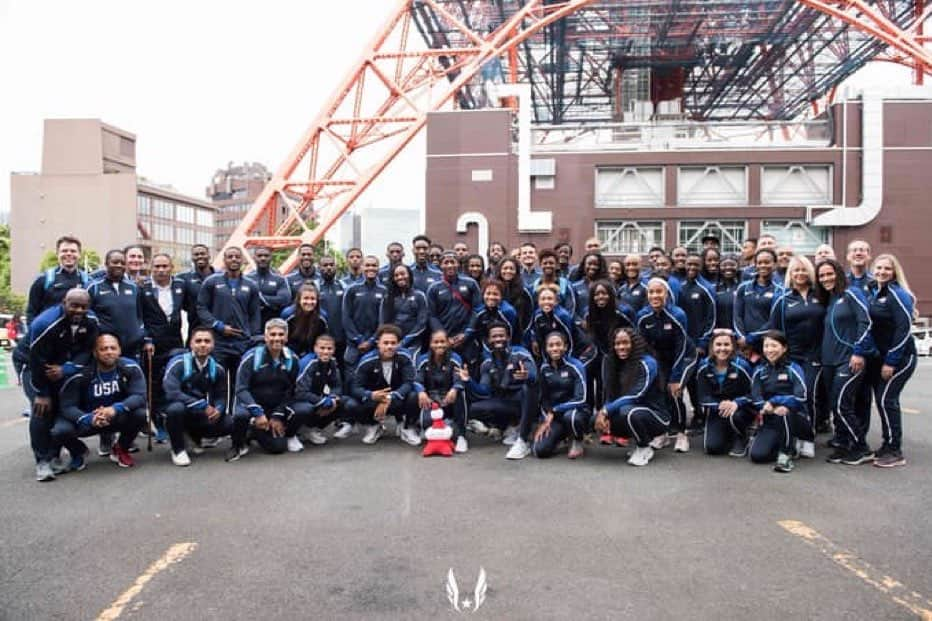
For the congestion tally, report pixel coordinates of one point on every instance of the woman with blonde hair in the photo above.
(892, 311)
(800, 315)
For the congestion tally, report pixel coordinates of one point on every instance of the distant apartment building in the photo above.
(88, 187)
(232, 191)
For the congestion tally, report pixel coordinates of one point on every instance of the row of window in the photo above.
(162, 232)
(712, 186)
(168, 210)
(629, 236)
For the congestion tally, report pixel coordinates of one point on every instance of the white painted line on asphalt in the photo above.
(174, 554)
(13, 423)
(910, 411)
(896, 590)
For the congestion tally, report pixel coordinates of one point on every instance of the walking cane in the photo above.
(149, 403)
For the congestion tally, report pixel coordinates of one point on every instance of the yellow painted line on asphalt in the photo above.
(898, 592)
(174, 554)
(13, 423)
(910, 411)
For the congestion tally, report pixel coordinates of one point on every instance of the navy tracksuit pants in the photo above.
(721, 431)
(572, 423)
(887, 394)
(777, 434)
(640, 422)
(178, 420)
(849, 418)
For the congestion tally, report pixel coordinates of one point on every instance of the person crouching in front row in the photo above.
(195, 387)
(265, 407)
(383, 385)
(107, 396)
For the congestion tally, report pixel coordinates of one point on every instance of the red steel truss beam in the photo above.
(372, 115)
(383, 102)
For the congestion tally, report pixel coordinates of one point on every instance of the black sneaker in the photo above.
(837, 456)
(834, 443)
(739, 447)
(236, 452)
(858, 456)
(882, 451)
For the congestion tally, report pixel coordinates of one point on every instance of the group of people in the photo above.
(522, 346)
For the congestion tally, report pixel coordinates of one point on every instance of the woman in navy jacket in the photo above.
(892, 310)
(439, 379)
(635, 399)
(562, 400)
(405, 307)
(753, 299)
(725, 287)
(778, 393)
(663, 326)
(799, 314)
(723, 386)
(847, 341)
(515, 293)
(306, 320)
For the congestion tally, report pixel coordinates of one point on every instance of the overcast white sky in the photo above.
(200, 83)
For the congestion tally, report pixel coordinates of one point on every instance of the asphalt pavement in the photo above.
(347, 531)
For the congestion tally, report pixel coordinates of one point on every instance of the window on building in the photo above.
(712, 186)
(184, 213)
(731, 233)
(797, 185)
(796, 234)
(163, 209)
(205, 237)
(623, 237)
(162, 232)
(205, 217)
(184, 236)
(142, 205)
(629, 187)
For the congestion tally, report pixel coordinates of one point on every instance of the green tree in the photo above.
(9, 301)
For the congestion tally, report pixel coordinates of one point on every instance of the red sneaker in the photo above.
(605, 439)
(622, 442)
(121, 457)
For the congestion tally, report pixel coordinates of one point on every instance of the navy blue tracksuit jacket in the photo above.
(451, 304)
(226, 302)
(55, 340)
(118, 307)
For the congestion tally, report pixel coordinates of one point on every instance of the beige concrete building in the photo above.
(88, 187)
(233, 190)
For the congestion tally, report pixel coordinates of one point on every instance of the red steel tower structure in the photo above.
(719, 59)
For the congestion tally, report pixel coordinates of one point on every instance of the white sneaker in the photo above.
(196, 447)
(294, 445)
(316, 436)
(659, 442)
(805, 449)
(682, 443)
(44, 472)
(343, 431)
(477, 427)
(518, 450)
(372, 433)
(461, 445)
(209, 443)
(495, 434)
(181, 459)
(410, 436)
(511, 436)
(641, 456)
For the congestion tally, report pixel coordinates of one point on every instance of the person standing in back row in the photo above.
(274, 291)
(361, 303)
(229, 303)
(452, 302)
(892, 311)
(50, 287)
